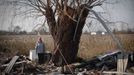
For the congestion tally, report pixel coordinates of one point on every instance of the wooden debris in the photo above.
(122, 63)
(11, 64)
(96, 66)
(5, 65)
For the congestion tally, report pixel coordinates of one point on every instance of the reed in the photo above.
(89, 46)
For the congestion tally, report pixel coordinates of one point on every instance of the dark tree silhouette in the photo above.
(17, 29)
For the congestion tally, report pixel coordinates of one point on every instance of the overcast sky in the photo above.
(121, 11)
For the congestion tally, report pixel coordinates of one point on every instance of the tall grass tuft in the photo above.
(89, 46)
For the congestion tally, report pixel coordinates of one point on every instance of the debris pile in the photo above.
(17, 65)
(23, 65)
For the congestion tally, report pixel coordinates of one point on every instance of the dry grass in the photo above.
(94, 45)
(89, 46)
(23, 43)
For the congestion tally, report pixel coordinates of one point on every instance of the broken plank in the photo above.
(5, 65)
(122, 63)
(11, 64)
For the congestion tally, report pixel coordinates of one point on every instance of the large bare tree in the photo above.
(65, 19)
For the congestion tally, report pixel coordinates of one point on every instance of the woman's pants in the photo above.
(41, 58)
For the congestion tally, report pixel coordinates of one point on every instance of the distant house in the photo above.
(103, 33)
(93, 33)
(98, 33)
(118, 26)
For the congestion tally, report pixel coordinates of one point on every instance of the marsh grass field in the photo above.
(89, 46)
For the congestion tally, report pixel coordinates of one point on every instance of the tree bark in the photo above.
(65, 47)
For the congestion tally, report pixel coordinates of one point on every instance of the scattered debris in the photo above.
(107, 61)
(23, 65)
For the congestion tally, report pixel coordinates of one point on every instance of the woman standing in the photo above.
(40, 49)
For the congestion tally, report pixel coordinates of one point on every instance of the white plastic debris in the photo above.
(33, 55)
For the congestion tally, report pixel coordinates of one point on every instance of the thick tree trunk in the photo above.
(63, 32)
(66, 47)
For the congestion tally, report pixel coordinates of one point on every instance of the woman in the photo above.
(40, 48)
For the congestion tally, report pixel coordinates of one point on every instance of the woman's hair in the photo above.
(40, 39)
